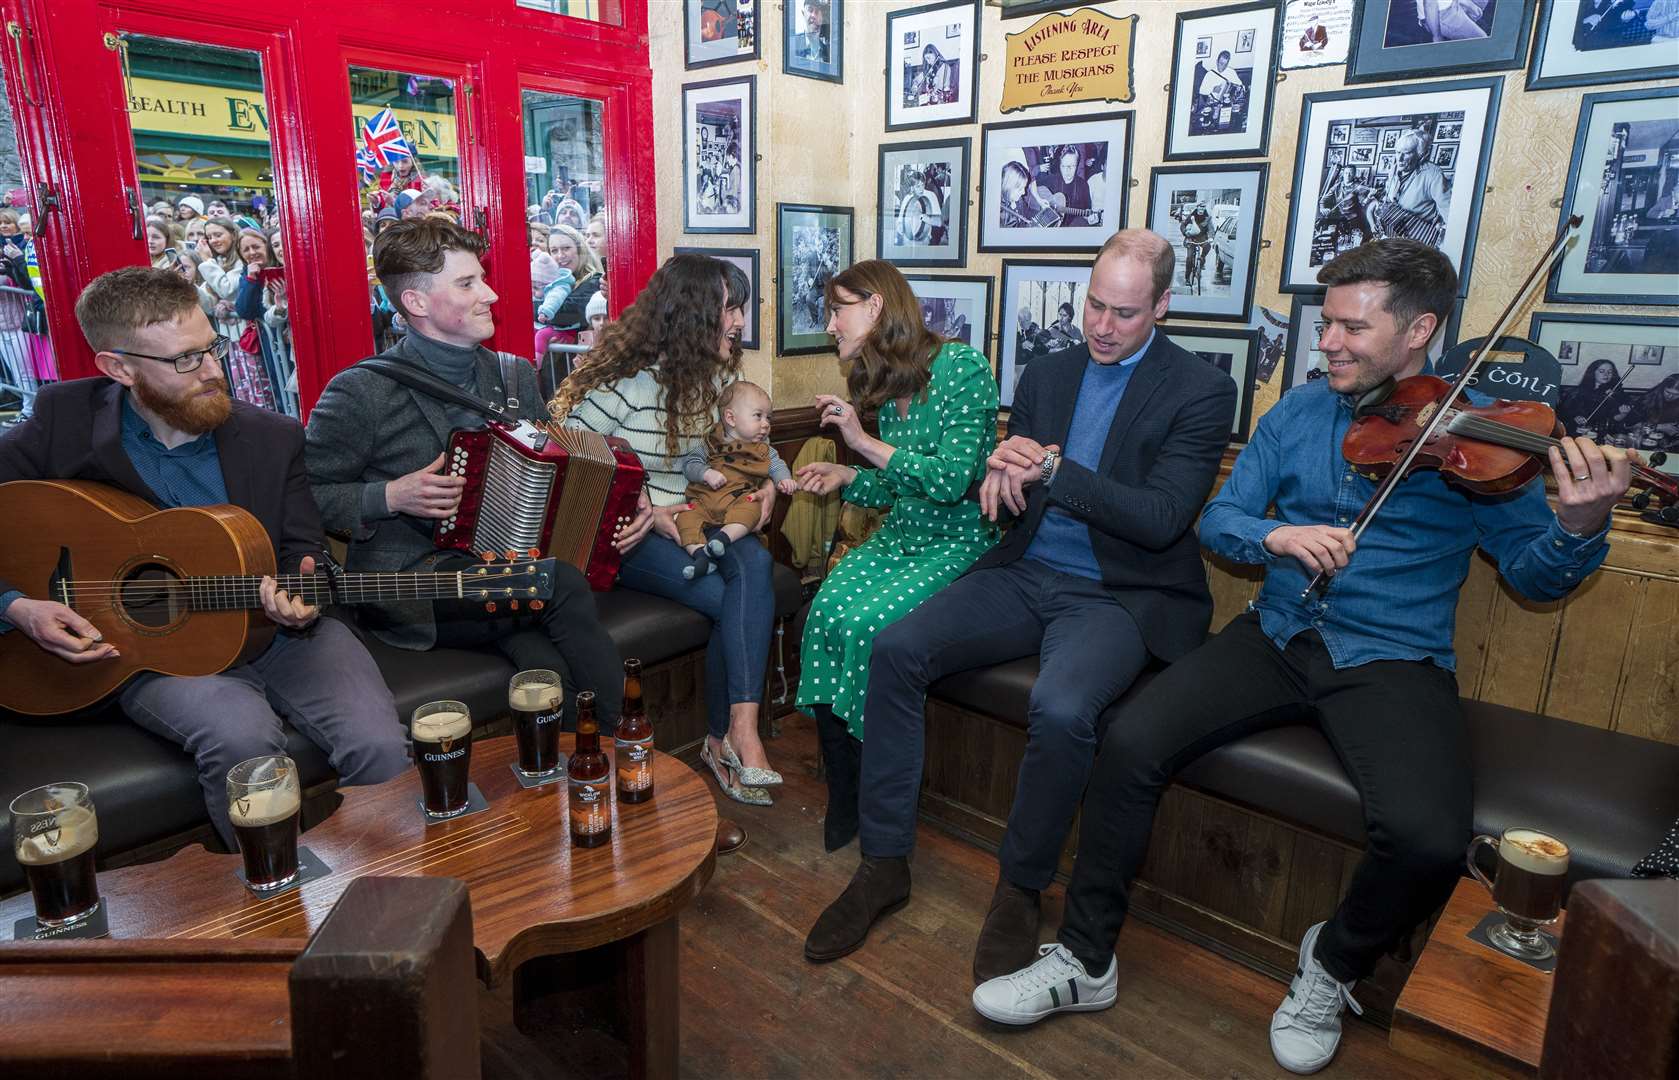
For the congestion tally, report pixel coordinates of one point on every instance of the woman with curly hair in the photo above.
(654, 379)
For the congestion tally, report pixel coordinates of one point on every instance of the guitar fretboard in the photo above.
(219, 593)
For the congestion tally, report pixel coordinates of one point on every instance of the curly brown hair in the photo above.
(672, 328)
(896, 360)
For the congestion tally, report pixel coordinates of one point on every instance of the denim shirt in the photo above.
(1397, 597)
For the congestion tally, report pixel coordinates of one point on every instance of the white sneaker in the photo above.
(1055, 982)
(1306, 1028)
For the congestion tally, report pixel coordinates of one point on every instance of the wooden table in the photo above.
(600, 923)
(1467, 1008)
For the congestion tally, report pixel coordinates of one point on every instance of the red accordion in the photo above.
(562, 491)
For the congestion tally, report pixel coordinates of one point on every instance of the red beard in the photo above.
(194, 414)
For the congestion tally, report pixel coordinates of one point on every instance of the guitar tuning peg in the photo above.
(534, 552)
(513, 605)
(487, 556)
(511, 554)
(490, 606)
(536, 605)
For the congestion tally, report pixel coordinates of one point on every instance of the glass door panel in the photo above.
(601, 11)
(26, 357)
(565, 197)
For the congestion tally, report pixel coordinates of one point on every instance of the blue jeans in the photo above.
(739, 599)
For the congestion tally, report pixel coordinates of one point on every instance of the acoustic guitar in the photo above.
(178, 591)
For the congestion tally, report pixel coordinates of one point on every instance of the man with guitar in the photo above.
(162, 426)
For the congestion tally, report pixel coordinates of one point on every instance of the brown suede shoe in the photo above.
(1009, 939)
(879, 887)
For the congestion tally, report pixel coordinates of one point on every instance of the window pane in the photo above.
(604, 11)
(565, 186)
(26, 358)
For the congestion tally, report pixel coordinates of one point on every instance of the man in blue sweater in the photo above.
(1113, 445)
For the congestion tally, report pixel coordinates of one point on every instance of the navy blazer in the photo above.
(1141, 501)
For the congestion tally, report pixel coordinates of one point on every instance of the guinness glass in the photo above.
(534, 698)
(54, 832)
(442, 735)
(263, 798)
(590, 775)
(1528, 886)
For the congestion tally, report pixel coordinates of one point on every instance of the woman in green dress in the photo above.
(937, 403)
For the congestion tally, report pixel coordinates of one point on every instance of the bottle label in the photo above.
(590, 809)
(636, 751)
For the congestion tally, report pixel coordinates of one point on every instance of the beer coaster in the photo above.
(309, 867)
(97, 925)
(475, 804)
(1479, 934)
(537, 781)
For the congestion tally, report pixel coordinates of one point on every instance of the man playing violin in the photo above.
(1369, 660)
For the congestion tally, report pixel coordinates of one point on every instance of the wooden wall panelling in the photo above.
(1232, 586)
(1475, 601)
(1592, 647)
(1648, 704)
(1521, 643)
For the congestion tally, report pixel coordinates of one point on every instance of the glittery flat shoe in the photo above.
(749, 774)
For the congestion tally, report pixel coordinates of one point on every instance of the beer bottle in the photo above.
(591, 780)
(634, 743)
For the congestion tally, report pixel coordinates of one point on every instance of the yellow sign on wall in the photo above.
(1081, 56)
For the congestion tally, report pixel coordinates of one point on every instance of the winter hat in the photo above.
(387, 214)
(192, 201)
(543, 269)
(596, 305)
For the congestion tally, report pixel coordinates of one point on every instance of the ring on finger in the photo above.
(1582, 478)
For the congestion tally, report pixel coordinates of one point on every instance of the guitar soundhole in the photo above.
(153, 596)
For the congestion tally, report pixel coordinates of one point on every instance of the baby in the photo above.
(724, 474)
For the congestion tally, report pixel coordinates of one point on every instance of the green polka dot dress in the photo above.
(930, 536)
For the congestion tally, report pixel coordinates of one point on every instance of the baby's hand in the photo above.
(714, 479)
(787, 486)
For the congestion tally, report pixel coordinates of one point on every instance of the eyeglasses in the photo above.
(188, 361)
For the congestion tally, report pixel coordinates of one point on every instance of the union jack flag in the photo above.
(383, 139)
(366, 165)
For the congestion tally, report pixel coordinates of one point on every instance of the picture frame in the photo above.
(922, 217)
(1234, 351)
(720, 32)
(1032, 317)
(1315, 33)
(1020, 9)
(1628, 201)
(932, 65)
(1570, 49)
(1217, 251)
(1027, 200)
(813, 39)
(1390, 41)
(719, 156)
(1301, 357)
(1342, 199)
(1620, 413)
(957, 307)
(813, 243)
(1219, 103)
(747, 260)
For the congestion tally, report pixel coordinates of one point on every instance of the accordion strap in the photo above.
(426, 383)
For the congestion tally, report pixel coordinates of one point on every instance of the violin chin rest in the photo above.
(1374, 396)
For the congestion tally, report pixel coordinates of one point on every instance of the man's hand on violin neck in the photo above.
(1318, 548)
(1590, 480)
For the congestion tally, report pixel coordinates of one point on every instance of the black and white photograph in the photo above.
(813, 39)
(1623, 181)
(1210, 215)
(1303, 360)
(1343, 200)
(747, 260)
(814, 244)
(958, 308)
(1315, 33)
(1591, 42)
(1042, 313)
(1233, 352)
(719, 193)
(932, 65)
(923, 203)
(719, 31)
(1400, 39)
(1620, 378)
(1220, 98)
(1054, 185)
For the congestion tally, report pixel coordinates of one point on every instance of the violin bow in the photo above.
(1443, 411)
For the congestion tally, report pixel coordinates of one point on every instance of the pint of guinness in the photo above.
(263, 798)
(442, 736)
(534, 698)
(54, 833)
(1528, 886)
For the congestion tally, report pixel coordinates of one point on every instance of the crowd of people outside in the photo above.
(26, 357)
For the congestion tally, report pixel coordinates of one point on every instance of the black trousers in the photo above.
(565, 637)
(1396, 727)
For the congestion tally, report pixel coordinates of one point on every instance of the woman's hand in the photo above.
(825, 477)
(766, 502)
(636, 531)
(664, 520)
(203, 250)
(842, 417)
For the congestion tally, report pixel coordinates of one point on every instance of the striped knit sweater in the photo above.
(633, 410)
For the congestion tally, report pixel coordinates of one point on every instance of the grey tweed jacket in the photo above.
(367, 430)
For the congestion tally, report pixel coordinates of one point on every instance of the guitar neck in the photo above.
(231, 593)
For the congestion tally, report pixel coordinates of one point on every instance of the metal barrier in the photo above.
(25, 359)
(269, 382)
(557, 362)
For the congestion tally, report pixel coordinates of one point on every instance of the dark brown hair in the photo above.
(116, 304)
(1419, 278)
(896, 359)
(1146, 247)
(407, 254)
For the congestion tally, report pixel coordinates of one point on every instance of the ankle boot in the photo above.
(842, 762)
(879, 887)
(1008, 941)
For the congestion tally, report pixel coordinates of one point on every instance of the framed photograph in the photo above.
(1316, 33)
(1220, 100)
(719, 31)
(924, 203)
(1233, 352)
(1338, 204)
(813, 39)
(1623, 181)
(1211, 215)
(1054, 185)
(1620, 378)
(1302, 361)
(719, 155)
(1042, 313)
(1591, 42)
(813, 244)
(1404, 39)
(747, 260)
(932, 65)
(958, 308)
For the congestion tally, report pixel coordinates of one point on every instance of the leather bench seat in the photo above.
(1610, 796)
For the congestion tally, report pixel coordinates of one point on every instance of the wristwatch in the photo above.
(1046, 469)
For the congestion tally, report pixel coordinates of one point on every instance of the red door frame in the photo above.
(75, 140)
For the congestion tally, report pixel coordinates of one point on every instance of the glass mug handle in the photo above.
(1490, 841)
